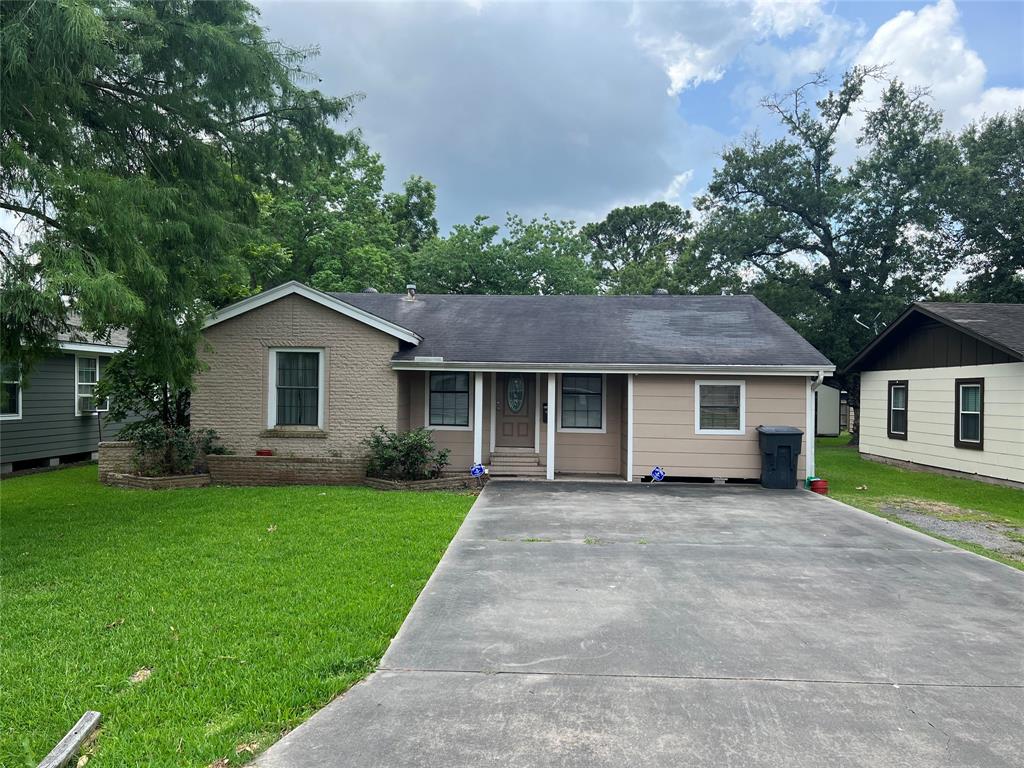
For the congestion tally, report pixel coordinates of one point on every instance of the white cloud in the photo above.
(695, 42)
(927, 48)
(677, 186)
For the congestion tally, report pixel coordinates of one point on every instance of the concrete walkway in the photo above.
(581, 624)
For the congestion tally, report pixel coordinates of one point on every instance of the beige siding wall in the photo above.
(458, 441)
(231, 395)
(930, 419)
(589, 452)
(664, 431)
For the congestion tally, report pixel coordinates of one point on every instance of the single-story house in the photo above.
(51, 416)
(526, 385)
(943, 387)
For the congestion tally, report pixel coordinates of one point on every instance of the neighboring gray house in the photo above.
(526, 385)
(52, 417)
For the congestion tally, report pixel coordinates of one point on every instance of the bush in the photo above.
(161, 450)
(404, 455)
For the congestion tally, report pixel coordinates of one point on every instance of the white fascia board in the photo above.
(86, 346)
(754, 370)
(321, 298)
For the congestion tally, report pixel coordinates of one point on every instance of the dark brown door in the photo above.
(515, 410)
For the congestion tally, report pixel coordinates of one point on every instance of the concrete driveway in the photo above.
(580, 624)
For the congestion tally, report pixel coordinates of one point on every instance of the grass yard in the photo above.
(952, 498)
(201, 623)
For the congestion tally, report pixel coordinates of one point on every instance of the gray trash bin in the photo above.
(780, 452)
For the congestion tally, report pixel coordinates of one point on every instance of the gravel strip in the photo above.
(989, 535)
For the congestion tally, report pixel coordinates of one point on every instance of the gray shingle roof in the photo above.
(999, 323)
(619, 330)
(118, 336)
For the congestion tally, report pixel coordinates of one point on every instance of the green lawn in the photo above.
(252, 607)
(845, 470)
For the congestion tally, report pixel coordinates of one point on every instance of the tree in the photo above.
(136, 137)
(827, 246)
(635, 247)
(988, 204)
(541, 256)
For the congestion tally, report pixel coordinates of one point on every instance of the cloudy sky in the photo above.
(572, 109)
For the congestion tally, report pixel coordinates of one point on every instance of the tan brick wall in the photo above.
(230, 396)
(116, 456)
(283, 470)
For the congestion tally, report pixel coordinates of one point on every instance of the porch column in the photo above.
(629, 426)
(809, 428)
(552, 422)
(478, 418)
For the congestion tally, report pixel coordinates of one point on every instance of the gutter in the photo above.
(438, 363)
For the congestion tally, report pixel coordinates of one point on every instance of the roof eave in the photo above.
(521, 367)
(89, 346)
(324, 299)
(854, 365)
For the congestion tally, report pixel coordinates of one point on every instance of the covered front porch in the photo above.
(523, 423)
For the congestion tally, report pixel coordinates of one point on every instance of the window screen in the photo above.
(449, 400)
(581, 401)
(898, 409)
(9, 394)
(298, 389)
(720, 406)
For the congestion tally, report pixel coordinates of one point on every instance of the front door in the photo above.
(515, 410)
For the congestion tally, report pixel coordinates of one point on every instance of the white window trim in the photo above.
(960, 411)
(17, 416)
(893, 408)
(272, 389)
(426, 405)
(604, 408)
(78, 410)
(742, 384)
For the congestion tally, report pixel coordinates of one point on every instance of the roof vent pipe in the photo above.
(410, 292)
(659, 292)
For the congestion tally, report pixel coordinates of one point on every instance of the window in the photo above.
(720, 407)
(970, 414)
(87, 376)
(10, 392)
(448, 401)
(296, 382)
(896, 423)
(582, 401)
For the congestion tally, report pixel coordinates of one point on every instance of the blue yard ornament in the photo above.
(658, 474)
(477, 470)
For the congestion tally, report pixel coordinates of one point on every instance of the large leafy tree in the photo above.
(989, 207)
(136, 137)
(635, 248)
(836, 250)
(540, 256)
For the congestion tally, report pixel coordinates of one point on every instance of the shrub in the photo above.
(162, 450)
(404, 455)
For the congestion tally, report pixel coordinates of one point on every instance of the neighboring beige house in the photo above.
(943, 387)
(526, 385)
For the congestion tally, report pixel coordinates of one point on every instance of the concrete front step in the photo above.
(517, 462)
(499, 451)
(507, 471)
